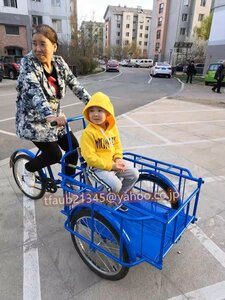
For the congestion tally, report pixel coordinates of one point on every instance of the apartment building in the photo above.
(173, 26)
(17, 18)
(125, 25)
(216, 43)
(92, 33)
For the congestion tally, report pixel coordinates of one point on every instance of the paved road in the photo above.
(128, 89)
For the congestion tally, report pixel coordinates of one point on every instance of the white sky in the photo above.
(95, 9)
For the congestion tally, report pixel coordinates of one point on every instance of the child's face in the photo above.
(97, 115)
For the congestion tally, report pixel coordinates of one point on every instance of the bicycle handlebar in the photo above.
(68, 120)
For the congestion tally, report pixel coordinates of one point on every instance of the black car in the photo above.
(1, 71)
(11, 65)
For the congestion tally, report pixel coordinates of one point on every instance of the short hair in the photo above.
(47, 31)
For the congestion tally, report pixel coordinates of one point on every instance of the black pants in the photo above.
(189, 76)
(51, 154)
(217, 86)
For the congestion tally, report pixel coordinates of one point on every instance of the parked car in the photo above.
(123, 63)
(144, 63)
(161, 69)
(112, 65)
(210, 74)
(180, 67)
(199, 68)
(1, 71)
(11, 65)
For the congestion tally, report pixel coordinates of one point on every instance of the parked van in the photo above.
(144, 63)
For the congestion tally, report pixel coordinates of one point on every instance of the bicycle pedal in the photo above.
(49, 185)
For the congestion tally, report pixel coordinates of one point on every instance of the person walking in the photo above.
(219, 76)
(41, 85)
(190, 71)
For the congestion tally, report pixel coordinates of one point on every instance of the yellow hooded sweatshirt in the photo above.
(100, 147)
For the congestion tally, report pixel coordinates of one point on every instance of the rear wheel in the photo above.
(106, 237)
(18, 167)
(12, 74)
(155, 189)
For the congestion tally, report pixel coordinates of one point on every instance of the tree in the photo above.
(203, 31)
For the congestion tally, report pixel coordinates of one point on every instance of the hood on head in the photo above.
(103, 101)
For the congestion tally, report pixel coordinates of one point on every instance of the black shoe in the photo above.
(219, 92)
(122, 208)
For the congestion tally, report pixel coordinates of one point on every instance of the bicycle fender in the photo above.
(22, 150)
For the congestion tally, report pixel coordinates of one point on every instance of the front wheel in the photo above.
(158, 189)
(106, 237)
(18, 168)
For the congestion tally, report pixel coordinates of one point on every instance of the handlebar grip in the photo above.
(54, 123)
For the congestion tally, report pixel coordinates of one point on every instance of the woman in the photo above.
(41, 85)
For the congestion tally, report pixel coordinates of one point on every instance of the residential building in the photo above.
(17, 17)
(92, 36)
(216, 43)
(172, 27)
(125, 25)
(14, 27)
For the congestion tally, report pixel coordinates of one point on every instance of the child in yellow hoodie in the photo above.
(101, 147)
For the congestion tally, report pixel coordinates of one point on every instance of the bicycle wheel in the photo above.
(154, 188)
(106, 237)
(35, 192)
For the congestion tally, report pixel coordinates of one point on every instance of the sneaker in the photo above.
(29, 178)
(213, 90)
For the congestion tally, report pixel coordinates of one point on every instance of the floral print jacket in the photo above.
(35, 97)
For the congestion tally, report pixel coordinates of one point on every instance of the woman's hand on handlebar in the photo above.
(60, 120)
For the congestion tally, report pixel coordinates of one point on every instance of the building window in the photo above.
(146, 36)
(126, 42)
(140, 43)
(157, 47)
(146, 27)
(203, 3)
(117, 42)
(200, 17)
(118, 25)
(128, 17)
(182, 31)
(140, 35)
(145, 43)
(158, 34)
(141, 26)
(127, 34)
(160, 21)
(186, 2)
(56, 2)
(36, 0)
(57, 25)
(161, 8)
(11, 3)
(36, 20)
(184, 17)
(118, 17)
(11, 29)
(118, 33)
(127, 25)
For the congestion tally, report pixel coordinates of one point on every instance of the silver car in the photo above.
(161, 69)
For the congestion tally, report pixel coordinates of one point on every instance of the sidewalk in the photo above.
(187, 129)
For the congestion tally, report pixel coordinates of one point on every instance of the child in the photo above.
(101, 147)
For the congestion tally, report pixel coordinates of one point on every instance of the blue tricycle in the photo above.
(109, 240)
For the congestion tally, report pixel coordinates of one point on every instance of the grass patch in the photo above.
(195, 79)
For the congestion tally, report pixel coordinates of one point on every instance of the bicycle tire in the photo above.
(108, 238)
(35, 192)
(168, 196)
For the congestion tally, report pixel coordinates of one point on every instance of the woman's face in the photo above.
(43, 48)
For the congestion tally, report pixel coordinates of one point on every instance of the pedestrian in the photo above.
(190, 71)
(101, 148)
(219, 76)
(41, 85)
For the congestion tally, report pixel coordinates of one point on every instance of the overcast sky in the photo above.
(95, 9)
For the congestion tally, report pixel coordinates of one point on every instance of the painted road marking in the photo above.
(31, 273)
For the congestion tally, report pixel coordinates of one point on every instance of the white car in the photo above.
(161, 69)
